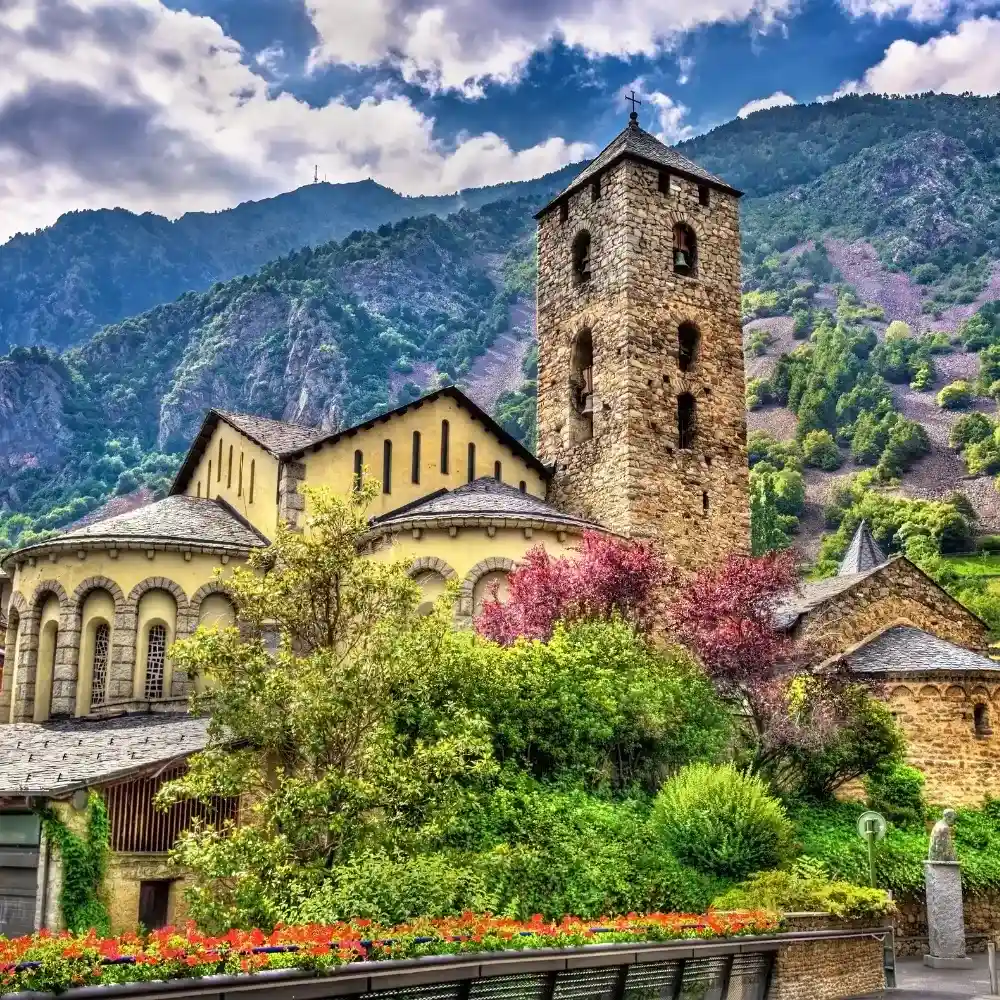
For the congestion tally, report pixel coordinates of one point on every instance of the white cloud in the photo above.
(670, 114)
(778, 99)
(953, 63)
(127, 103)
(915, 10)
(458, 45)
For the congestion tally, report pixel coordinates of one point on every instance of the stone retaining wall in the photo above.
(826, 970)
(982, 921)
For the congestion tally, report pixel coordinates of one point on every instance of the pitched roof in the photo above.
(863, 553)
(636, 143)
(791, 607)
(177, 519)
(57, 757)
(298, 445)
(904, 649)
(482, 498)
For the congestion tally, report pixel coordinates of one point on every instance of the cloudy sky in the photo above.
(177, 105)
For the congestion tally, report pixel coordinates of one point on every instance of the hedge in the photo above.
(54, 963)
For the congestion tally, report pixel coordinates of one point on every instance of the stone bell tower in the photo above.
(641, 390)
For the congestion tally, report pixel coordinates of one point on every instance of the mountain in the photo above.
(857, 213)
(93, 268)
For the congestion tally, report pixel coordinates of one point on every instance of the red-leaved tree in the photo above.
(728, 616)
(610, 575)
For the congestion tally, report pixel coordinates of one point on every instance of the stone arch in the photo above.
(685, 249)
(17, 612)
(124, 653)
(70, 680)
(491, 564)
(433, 564)
(26, 669)
(955, 692)
(582, 250)
(929, 691)
(901, 691)
(206, 590)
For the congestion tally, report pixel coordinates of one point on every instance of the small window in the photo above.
(685, 250)
(685, 420)
(444, 447)
(156, 659)
(359, 468)
(253, 473)
(704, 194)
(564, 210)
(99, 667)
(208, 484)
(154, 900)
(497, 471)
(218, 471)
(581, 257)
(415, 462)
(663, 182)
(687, 346)
(387, 467)
(595, 189)
(229, 474)
(981, 716)
(199, 487)
(239, 481)
(522, 486)
(472, 461)
(704, 502)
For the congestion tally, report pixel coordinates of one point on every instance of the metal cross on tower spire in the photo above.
(633, 117)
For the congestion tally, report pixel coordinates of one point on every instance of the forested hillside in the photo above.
(872, 242)
(91, 268)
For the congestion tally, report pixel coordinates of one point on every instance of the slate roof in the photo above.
(863, 553)
(904, 649)
(275, 436)
(177, 519)
(483, 497)
(638, 144)
(57, 757)
(790, 608)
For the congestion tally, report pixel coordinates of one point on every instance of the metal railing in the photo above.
(738, 968)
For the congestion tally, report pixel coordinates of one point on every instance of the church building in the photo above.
(642, 433)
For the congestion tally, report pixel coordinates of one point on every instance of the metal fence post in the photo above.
(889, 953)
(991, 952)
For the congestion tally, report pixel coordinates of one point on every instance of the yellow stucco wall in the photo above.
(333, 465)
(47, 635)
(123, 882)
(261, 510)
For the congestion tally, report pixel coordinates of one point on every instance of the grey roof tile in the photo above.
(56, 757)
(904, 649)
(863, 553)
(177, 519)
(275, 436)
(636, 142)
(790, 608)
(483, 497)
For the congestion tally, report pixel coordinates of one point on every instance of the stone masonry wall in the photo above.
(982, 922)
(896, 594)
(631, 475)
(826, 970)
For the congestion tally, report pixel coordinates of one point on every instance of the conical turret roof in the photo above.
(638, 144)
(863, 554)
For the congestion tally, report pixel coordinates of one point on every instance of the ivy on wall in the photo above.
(84, 864)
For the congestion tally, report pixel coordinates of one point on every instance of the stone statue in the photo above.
(942, 842)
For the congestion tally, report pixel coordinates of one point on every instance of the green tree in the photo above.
(955, 396)
(820, 450)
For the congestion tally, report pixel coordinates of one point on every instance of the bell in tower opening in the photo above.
(641, 389)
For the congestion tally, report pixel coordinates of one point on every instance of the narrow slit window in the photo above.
(663, 182)
(359, 469)
(472, 461)
(229, 472)
(497, 471)
(218, 471)
(239, 480)
(981, 718)
(704, 502)
(208, 492)
(563, 210)
(387, 467)
(199, 487)
(156, 660)
(705, 195)
(444, 447)
(415, 462)
(687, 346)
(685, 421)
(99, 668)
(581, 257)
(253, 473)
(522, 486)
(595, 189)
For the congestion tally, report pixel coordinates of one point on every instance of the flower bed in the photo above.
(53, 963)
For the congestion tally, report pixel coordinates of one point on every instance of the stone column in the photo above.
(27, 663)
(945, 916)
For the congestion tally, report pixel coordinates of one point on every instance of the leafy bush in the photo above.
(820, 451)
(923, 377)
(897, 791)
(722, 822)
(990, 544)
(956, 396)
(758, 393)
(970, 428)
(789, 892)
